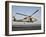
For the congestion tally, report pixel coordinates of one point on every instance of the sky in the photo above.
(27, 10)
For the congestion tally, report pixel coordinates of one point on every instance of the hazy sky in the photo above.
(27, 10)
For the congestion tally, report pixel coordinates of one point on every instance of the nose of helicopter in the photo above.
(34, 19)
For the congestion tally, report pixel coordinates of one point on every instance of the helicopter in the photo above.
(27, 18)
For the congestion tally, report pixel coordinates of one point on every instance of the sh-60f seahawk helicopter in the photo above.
(27, 18)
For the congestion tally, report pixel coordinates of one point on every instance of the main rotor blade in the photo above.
(21, 14)
(35, 12)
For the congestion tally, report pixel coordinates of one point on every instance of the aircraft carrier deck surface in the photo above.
(25, 26)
